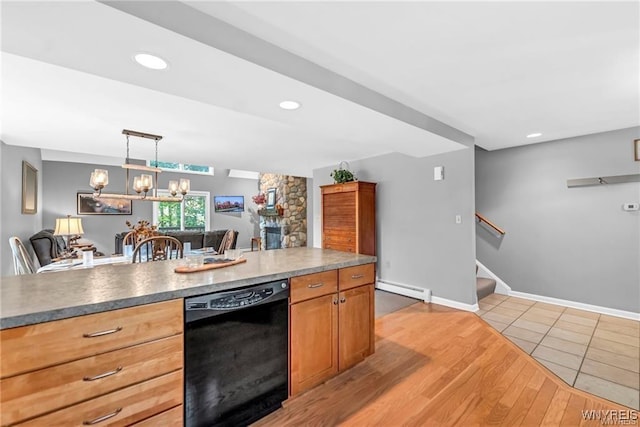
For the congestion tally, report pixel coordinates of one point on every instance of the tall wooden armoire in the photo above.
(349, 217)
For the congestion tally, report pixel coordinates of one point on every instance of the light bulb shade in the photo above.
(185, 186)
(99, 178)
(68, 226)
(147, 182)
(137, 184)
(173, 187)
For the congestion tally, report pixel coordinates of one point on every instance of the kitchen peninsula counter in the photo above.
(37, 298)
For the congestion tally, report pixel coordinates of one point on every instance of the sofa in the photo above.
(198, 239)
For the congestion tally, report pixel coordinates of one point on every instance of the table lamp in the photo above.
(68, 227)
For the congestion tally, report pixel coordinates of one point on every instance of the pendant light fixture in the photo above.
(143, 185)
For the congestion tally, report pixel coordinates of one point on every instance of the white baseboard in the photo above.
(455, 304)
(501, 286)
(422, 294)
(579, 305)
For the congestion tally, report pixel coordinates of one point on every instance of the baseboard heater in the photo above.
(404, 289)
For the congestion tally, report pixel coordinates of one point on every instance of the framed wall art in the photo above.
(271, 198)
(88, 205)
(29, 188)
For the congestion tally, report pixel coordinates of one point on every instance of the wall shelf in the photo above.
(601, 180)
(270, 212)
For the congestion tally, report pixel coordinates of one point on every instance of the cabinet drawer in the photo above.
(352, 277)
(313, 285)
(171, 418)
(341, 248)
(78, 337)
(339, 188)
(45, 390)
(120, 408)
(339, 237)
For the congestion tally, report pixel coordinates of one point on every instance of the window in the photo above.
(192, 214)
(182, 167)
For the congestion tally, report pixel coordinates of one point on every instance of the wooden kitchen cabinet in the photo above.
(122, 366)
(355, 331)
(313, 331)
(349, 217)
(314, 342)
(331, 324)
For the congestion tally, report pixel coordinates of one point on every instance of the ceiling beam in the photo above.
(192, 23)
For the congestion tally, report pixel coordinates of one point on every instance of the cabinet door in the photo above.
(339, 211)
(314, 342)
(356, 325)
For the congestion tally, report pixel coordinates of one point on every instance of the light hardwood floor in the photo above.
(439, 366)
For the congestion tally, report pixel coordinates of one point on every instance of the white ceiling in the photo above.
(497, 71)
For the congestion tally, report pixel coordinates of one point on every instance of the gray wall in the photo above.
(418, 241)
(63, 180)
(12, 221)
(570, 243)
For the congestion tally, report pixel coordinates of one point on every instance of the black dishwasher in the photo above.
(236, 355)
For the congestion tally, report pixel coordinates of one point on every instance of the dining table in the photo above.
(77, 263)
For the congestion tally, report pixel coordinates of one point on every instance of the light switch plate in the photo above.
(631, 206)
(438, 173)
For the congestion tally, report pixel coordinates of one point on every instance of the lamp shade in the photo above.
(68, 226)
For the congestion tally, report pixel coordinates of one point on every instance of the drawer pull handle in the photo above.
(357, 276)
(316, 285)
(335, 301)
(99, 334)
(102, 418)
(106, 374)
(343, 300)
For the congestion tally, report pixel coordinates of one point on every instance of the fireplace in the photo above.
(273, 240)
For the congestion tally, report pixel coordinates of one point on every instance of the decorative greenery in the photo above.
(143, 229)
(342, 175)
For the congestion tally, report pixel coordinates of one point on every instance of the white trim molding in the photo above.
(455, 304)
(422, 294)
(579, 305)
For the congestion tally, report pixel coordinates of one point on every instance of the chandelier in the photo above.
(142, 184)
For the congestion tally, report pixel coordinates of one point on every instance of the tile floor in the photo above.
(593, 352)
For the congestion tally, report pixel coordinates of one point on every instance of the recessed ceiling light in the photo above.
(289, 105)
(534, 135)
(150, 61)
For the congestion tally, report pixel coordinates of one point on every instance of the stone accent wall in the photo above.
(291, 194)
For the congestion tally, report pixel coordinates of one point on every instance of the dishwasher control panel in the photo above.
(239, 298)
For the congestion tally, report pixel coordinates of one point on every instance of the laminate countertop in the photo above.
(37, 298)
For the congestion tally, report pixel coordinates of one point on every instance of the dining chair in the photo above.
(22, 263)
(130, 239)
(226, 242)
(157, 248)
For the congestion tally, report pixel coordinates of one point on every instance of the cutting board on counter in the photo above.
(210, 266)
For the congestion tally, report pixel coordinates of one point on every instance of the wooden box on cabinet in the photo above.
(331, 324)
(349, 217)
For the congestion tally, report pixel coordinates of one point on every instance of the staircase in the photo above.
(484, 287)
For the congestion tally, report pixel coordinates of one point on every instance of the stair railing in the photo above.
(481, 219)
